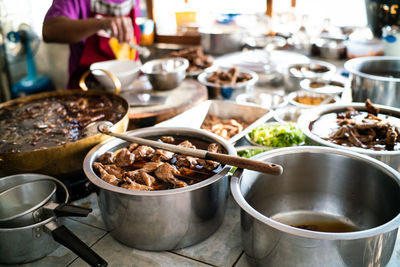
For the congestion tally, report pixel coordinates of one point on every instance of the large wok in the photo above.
(60, 161)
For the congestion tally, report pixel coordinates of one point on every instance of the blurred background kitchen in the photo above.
(302, 23)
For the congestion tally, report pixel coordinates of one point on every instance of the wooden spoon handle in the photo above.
(250, 164)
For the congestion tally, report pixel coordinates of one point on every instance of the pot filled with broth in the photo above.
(330, 207)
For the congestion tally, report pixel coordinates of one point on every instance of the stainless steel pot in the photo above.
(29, 238)
(222, 39)
(370, 78)
(318, 185)
(391, 158)
(165, 219)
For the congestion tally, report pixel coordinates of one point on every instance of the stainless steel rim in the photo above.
(308, 116)
(351, 64)
(240, 200)
(184, 66)
(115, 142)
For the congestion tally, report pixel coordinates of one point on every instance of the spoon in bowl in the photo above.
(255, 165)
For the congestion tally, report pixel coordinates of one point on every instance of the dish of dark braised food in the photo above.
(53, 121)
(308, 70)
(229, 77)
(226, 128)
(363, 129)
(140, 167)
(197, 60)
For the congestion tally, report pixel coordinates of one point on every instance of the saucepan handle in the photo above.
(65, 210)
(116, 81)
(65, 237)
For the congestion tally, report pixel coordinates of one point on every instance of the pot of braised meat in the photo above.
(43, 133)
(156, 200)
(370, 129)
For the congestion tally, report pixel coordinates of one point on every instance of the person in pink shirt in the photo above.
(87, 26)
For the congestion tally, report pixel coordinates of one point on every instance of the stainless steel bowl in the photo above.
(221, 39)
(287, 114)
(265, 99)
(319, 185)
(376, 78)
(165, 219)
(391, 158)
(322, 86)
(292, 79)
(227, 92)
(327, 99)
(166, 73)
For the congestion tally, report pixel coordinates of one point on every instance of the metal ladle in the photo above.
(260, 166)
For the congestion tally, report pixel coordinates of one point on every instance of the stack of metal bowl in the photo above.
(31, 220)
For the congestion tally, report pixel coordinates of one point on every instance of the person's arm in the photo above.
(65, 30)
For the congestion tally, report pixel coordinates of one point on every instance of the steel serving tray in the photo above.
(194, 117)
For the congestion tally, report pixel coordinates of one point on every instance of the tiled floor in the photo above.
(223, 248)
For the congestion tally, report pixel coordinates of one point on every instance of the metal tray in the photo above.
(194, 117)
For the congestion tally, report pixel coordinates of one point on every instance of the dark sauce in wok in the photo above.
(52, 121)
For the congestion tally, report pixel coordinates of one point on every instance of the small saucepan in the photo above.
(30, 221)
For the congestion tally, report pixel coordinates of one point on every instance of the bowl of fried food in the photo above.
(198, 61)
(227, 83)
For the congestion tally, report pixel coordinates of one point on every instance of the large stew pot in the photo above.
(320, 186)
(165, 219)
(29, 238)
(391, 158)
(62, 161)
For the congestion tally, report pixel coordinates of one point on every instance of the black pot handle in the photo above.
(65, 237)
(65, 210)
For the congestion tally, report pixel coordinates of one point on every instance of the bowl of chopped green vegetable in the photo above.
(250, 151)
(276, 134)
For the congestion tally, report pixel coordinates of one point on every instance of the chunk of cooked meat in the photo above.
(124, 158)
(162, 155)
(114, 170)
(208, 164)
(187, 144)
(141, 177)
(97, 166)
(186, 161)
(143, 152)
(106, 158)
(168, 139)
(340, 133)
(391, 136)
(371, 108)
(132, 147)
(132, 185)
(109, 178)
(150, 166)
(214, 147)
(166, 172)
